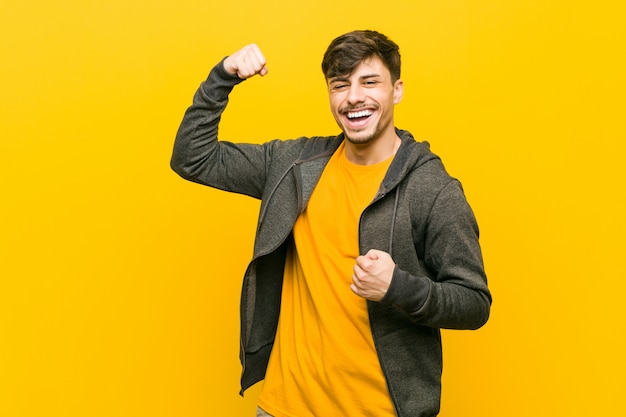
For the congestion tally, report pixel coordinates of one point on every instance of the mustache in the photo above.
(358, 107)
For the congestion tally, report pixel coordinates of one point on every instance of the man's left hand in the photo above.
(372, 275)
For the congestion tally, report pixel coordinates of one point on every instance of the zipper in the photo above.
(390, 249)
(271, 194)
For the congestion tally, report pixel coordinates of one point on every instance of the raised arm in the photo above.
(198, 156)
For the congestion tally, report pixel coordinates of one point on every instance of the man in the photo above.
(365, 246)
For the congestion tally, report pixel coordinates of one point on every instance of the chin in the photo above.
(360, 138)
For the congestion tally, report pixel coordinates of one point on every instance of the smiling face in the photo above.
(363, 102)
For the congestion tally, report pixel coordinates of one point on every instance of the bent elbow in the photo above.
(176, 166)
(482, 312)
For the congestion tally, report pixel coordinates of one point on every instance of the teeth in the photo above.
(362, 113)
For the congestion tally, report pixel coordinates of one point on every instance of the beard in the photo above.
(362, 137)
(365, 135)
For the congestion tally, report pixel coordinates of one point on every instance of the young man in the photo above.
(365, 246)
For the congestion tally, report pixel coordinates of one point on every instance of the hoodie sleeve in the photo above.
(198, 156)
(454, 293)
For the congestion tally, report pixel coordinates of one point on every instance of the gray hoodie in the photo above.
(419, 215)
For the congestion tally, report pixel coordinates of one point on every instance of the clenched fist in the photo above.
(246, 62)
(372, 275)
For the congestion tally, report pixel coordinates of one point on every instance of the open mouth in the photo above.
(356, 116)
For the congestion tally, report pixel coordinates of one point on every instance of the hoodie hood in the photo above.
(410, 156)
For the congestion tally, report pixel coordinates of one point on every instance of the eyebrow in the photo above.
(345, 78)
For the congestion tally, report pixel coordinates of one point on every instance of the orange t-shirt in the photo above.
(324, 362)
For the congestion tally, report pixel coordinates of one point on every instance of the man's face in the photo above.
(363, 101)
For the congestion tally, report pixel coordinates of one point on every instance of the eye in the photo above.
(339, 86)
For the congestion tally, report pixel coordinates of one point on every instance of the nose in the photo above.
(356, 94)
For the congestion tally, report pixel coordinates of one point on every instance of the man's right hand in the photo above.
(246, 62)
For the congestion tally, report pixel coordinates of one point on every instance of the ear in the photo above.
(398, 91)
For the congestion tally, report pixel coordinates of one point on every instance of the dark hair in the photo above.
(347, 51)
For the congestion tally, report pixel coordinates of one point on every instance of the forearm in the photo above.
(444, 305)
(449, 289)
(196, 138)
(200, 157)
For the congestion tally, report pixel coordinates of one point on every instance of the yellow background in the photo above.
(120, 282)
